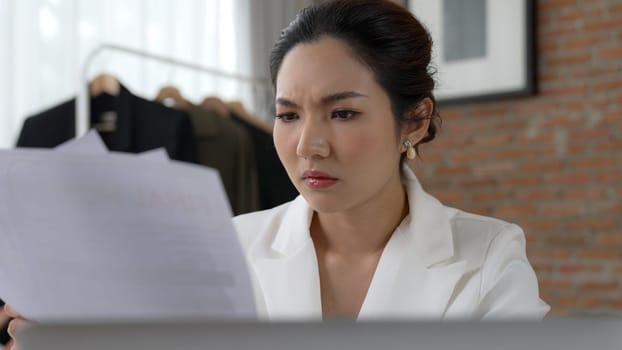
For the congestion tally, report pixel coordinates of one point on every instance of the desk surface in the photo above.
(562, 334)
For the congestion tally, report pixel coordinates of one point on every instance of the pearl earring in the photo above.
(410, 150)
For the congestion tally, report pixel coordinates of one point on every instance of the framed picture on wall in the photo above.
(483, 49)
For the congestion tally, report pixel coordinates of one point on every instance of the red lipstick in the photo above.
(318, 180)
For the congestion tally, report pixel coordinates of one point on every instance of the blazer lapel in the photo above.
(416, 275)
(427, 294)
(289, 276)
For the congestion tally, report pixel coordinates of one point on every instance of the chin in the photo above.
(324, 203)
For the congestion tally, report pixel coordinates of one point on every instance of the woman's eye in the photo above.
(344, 114)
(287, 117)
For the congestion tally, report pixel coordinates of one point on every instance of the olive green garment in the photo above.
(226, 146)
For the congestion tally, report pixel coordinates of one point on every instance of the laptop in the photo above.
(554, 334)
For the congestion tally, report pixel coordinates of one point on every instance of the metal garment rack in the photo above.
(82, 102)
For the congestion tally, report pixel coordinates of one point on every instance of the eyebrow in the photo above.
(325, 100)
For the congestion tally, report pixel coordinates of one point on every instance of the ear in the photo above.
(420, 116)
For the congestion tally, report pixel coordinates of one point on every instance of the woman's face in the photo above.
(334, 131)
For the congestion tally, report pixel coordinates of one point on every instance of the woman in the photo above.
(354, 100)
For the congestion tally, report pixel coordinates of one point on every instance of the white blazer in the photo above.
(440, 263)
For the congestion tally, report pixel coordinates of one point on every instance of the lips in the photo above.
(315, 179)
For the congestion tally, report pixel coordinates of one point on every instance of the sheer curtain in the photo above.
(44, 44)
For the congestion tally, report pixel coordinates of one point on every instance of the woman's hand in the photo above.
(4, 318)
(17, 324)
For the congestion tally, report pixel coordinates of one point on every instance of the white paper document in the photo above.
(90, 143)
(117, 237)
(158, 155)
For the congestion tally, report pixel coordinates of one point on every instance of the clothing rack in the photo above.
(82, 102)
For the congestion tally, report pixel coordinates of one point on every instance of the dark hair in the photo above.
(384, 36)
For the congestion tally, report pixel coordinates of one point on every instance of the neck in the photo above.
(365, 229)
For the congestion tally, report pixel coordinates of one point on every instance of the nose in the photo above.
(313, 141)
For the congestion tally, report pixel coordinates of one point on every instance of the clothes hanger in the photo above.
(215, 104)
(171, 97)
(238, 108)
(105, 83)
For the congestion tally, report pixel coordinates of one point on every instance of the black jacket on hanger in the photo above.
(141, 125)
(275, 187)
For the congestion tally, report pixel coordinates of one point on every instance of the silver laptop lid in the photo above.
(562, 334)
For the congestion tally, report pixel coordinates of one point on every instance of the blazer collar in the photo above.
(293, 234)
(427, 227)
(290, 279)
(415, 276)
(417, 273)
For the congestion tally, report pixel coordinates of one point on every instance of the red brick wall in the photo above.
(551, 163)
